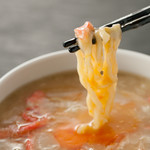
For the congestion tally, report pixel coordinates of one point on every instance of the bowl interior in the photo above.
(63, 61)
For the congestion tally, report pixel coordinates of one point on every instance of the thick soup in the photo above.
(42, 115)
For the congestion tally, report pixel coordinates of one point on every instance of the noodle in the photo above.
(97, 69)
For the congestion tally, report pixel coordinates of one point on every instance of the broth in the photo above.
(48, 123)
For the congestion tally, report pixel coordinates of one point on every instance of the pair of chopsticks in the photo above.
(131, 21)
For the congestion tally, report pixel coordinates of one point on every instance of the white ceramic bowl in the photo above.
(34, 69)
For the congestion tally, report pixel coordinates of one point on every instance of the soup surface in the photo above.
(42, 116)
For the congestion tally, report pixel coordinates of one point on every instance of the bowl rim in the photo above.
(34, 60)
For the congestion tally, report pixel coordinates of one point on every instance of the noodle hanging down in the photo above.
(97, 69)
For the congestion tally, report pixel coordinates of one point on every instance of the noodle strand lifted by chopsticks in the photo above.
(97, 69)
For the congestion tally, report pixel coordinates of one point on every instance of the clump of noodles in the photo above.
(97, 69)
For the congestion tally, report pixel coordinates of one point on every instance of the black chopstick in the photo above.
(136, 23)
(131, 17)
(70, 42)
(131, 21)
(74, 41)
